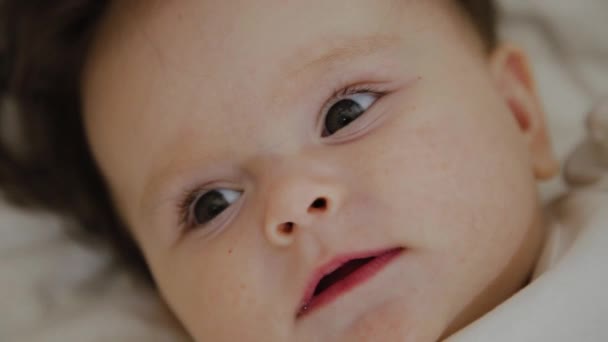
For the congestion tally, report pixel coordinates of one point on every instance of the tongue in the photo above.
(339, 274)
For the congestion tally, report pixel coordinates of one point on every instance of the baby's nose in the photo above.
(298, 202)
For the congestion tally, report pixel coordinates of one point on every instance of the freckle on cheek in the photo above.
(230, 251)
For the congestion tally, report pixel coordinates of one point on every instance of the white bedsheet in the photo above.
(49, 290)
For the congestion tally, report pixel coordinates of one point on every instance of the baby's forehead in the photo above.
(229, 47)
(233, 32)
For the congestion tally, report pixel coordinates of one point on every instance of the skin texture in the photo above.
(199, 95)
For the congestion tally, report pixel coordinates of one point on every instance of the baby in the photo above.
(361, 170)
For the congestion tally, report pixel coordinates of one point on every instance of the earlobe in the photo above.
(514, 80)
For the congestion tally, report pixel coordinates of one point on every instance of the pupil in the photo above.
(345, 120)
(341, 115)
(209, 206)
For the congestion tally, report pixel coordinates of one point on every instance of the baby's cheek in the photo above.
(458, 186)
(459, 158)
(211, 294)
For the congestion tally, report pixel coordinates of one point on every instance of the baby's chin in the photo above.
(391, 321)
(402, 317)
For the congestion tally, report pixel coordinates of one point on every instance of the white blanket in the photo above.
(53, 290)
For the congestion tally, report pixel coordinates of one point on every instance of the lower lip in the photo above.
(358, 277)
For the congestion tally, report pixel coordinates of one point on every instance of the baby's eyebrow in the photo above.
(336, 51)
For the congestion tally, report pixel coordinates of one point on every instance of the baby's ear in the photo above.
(513, 77)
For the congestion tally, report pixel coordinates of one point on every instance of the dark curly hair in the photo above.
(45, 162)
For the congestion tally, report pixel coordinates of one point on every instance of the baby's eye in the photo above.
(213, 203)
(347, 110)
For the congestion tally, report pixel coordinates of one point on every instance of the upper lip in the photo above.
(332, 266)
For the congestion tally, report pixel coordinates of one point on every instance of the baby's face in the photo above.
(255, 146)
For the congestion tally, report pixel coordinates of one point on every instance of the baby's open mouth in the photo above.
(343, 274)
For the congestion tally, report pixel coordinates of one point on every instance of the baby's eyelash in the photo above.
(183, 207)
(355, 89)
(342, 92)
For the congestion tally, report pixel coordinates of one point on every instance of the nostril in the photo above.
(319, 204)
(286, 228)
